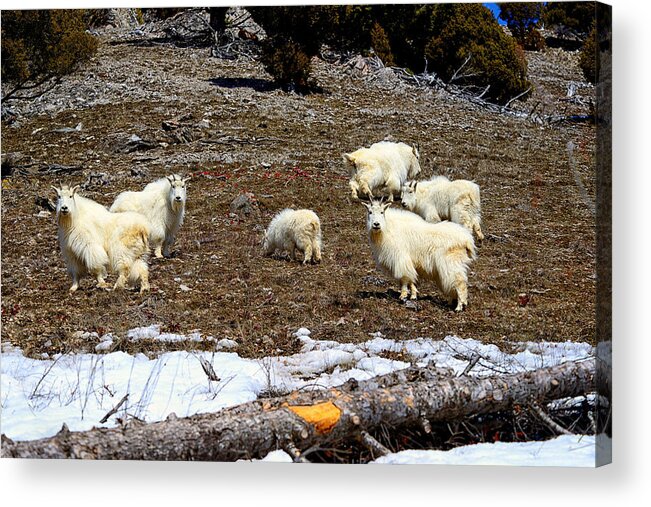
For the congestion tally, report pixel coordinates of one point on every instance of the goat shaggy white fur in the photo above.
(381, 169)
(407, 247)
(94, 241)
(292, 230)
(441, 199)
(162, 202)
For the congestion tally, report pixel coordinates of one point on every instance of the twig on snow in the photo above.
(114, 409)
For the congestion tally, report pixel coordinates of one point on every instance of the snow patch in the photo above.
(566, 450)
(39, 395)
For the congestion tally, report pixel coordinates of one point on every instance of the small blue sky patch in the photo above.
(495, 9)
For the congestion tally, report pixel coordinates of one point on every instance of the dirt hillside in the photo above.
(143, 109)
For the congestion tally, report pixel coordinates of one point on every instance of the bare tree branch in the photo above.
(548, 420)
(114, 409)
(456, 75)
(517, 97)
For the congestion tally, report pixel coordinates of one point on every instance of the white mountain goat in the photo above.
(94, 241)
(292, 230)
(381, 169)
(441, 199)
(163, 203)
(407, 247)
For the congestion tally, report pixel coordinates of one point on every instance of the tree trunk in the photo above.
(304, 419)
(217, 22)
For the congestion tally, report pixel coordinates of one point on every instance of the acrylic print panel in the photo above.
(341, 234)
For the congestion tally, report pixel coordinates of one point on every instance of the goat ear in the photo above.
(416, 150)
(185, 180)
(55, 189)
(366, 205)
(386, 205)
(348, 159)
(74, 189)
(415, 185)
(170, 178)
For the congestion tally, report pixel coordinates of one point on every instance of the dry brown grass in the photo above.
(541, 235)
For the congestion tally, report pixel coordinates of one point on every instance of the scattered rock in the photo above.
(122, 18)
(138, 172)
(136, 143)
(85, 335)
(189, 28)
(183, 135)
(412, 305)
(12, 159)
(96, 179)
(226, 343)
(44, 202)
(244, 204)
(374, 280)
(181, 130)
(66, 130)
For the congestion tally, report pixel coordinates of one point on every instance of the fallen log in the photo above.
(302, 420)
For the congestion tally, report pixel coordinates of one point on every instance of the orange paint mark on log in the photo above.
(323, 416)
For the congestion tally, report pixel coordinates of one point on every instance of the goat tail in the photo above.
(471, 249)
(144, 237)
(475, 203)
(139, 272)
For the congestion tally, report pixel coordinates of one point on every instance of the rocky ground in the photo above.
(144, 108)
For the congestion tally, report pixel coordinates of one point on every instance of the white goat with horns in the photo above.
(407, 247)
(162, 202)
(441, 199)
(94, 241)
(381, 169)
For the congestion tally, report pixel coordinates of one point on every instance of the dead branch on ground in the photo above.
(302, 420)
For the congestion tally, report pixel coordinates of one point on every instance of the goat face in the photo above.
(66, 200)
(408, 195)
(178, 194)
(376, 221)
